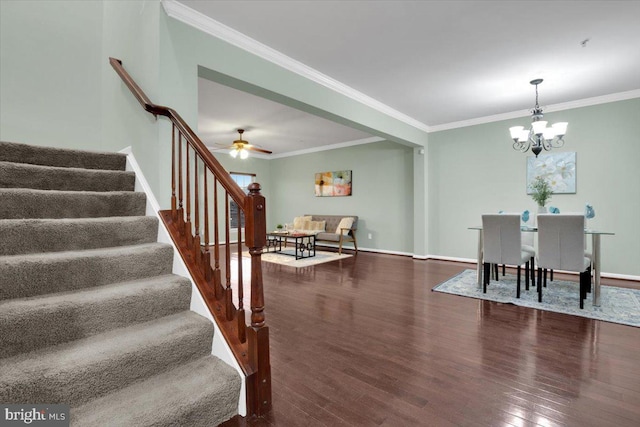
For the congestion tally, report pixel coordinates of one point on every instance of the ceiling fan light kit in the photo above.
(240, 147)
(539, 136)
(242, 152)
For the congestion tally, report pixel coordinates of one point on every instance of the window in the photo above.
(243, 180)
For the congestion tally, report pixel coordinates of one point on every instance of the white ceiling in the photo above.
(267, 124)
(437, 62)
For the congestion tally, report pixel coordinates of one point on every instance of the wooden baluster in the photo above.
(206, 261)
(197, 253)
(228, 292)
(187, 225)
(242, 325)
(217, 280)
(255, 351)
(180, 199)
(174, 212)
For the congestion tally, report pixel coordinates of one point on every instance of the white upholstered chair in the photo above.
(561, 247)
(502, 244)
(527, 245)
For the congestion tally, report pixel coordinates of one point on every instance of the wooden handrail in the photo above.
(223, 176)
(250, 345)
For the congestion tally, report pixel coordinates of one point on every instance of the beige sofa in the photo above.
(325, 227)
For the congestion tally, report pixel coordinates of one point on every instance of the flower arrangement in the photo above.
(541, 191)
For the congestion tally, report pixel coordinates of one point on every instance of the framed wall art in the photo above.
(558, 169)
(333, 184)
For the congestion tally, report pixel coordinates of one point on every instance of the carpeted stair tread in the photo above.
(37, 155)
(28, 324)
(90, 313)
(77, 372)
(23, 175)
(29, 203)
(38, 274)
(23, 236)
(201, 393)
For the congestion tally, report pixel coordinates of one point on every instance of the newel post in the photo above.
(258, 384)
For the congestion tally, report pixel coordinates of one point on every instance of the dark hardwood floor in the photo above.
(365, 342)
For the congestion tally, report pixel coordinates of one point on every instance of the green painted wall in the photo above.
(382, 179)
(50, 74)
(474, 170)
(131, 34)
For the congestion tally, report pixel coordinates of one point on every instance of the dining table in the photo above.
(595, 256)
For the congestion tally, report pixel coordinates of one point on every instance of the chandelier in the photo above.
(539, 136)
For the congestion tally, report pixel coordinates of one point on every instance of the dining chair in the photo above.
(502, 244)
(561, 247)
(527, 245)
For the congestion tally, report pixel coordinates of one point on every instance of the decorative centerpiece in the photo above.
(525, 216)
(541, 193)
(589, 212)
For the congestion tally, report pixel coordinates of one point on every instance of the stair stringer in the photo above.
(219, 347)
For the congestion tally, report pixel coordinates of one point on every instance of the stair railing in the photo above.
(195, 176)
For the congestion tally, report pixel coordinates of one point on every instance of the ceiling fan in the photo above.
(240, 147)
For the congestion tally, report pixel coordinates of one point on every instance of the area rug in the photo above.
(618, 305)
(290, 260)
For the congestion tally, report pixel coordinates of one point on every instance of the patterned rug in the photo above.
(290, 260)
(617, 305)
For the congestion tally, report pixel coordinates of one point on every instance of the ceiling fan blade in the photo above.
(254, 148)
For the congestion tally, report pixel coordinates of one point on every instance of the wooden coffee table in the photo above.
(305, 244)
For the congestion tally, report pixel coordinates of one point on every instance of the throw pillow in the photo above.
(298, 222)
(344, 223)
(317, 225)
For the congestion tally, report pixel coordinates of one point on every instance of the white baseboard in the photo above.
(350, 247)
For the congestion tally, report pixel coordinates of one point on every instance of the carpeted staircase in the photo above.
(90, 314)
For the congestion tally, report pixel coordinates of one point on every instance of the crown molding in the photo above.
(596, 100)
(199, 21)
(195, 19)
(328, 147)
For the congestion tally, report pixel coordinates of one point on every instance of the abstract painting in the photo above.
(332, 184)
(558, 169)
